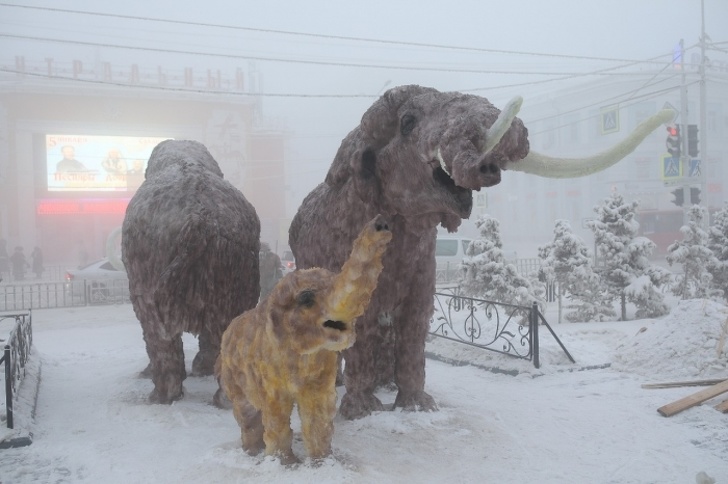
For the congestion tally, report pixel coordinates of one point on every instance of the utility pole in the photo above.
(703, 118)
(684, 158)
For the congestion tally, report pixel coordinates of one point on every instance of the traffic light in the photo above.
(679, 198)
(695, 195)
(693, 140)
(673, 140)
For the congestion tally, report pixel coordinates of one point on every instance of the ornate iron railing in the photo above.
(15, 356)
(508, 329)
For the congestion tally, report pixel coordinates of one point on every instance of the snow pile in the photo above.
(690, 342)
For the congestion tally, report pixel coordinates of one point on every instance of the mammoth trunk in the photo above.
(354, 285)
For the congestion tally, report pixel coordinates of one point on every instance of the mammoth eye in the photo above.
(407, 124)
(306, 298)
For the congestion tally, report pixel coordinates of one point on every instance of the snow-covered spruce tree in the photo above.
(718, 245)
(484, 272)
(626, 271)
(567, 261)
(693, 254)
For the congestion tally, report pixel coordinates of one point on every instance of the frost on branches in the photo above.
(485, 273)
(693, 254)
(567, 261)
(718, 245)
(625, 268)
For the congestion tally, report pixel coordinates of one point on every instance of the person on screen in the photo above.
(135, 175)
(114, 163)
(69, 161)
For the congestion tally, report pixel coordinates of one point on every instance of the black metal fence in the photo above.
(15, 356)
(508, 329)
(43, 295)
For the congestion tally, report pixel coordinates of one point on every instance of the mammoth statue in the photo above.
(416, 157)
(189, 244)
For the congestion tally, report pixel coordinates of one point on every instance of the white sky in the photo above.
(560, 36)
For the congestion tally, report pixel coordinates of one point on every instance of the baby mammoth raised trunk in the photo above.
(283, 352)
(354, 285)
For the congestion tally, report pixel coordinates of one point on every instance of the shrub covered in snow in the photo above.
(718, 245)
(626, 271)
(567, 261)
(484, 272)
(693, 254)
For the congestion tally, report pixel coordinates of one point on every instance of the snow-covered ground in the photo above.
(562, 423)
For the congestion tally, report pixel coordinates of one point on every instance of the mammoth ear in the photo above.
(366, 180)
(378, 126)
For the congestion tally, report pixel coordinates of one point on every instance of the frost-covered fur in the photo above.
(389, 165)
(284, 351)
(190, 244)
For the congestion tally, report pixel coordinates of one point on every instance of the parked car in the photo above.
(98, 282)
(449, 253)
(288, 261)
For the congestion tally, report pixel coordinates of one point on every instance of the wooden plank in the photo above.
(722, 406)
(691, 400)
(676, 384)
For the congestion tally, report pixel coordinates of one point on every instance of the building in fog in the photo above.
(108, 120)
(587, 118)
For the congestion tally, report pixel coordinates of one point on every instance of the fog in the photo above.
(317, 65)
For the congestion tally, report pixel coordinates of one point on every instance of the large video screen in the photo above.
(80, 163)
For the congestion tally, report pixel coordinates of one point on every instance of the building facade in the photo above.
(102, 114)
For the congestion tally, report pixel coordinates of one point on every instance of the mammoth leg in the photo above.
(167, 361)
(385, 356)
(360, 371)
(204, 362)
(277, 432)
(317, 409)
(411, 325)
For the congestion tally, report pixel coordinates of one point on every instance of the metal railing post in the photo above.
(8, 386)
(534, 335)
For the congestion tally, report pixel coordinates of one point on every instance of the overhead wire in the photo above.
(323, 36)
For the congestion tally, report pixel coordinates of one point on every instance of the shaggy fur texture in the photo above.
(284, 351)
(389, 165)
(190, 244)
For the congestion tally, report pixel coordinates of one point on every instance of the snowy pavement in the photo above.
(552, 425)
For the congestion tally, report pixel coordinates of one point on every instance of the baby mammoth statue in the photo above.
(285, 350)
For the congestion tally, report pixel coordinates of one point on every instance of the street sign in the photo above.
(671, 168)
(610, 119)
(675, 112)
(694, 167)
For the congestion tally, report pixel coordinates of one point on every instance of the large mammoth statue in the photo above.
(189, 244)
(416, 157)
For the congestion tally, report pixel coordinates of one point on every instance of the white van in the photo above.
(449, 253)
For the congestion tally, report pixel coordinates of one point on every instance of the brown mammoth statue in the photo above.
(189, 244)
(416, 157)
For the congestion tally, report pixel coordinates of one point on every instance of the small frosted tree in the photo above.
(626, 271)
(484, 272)
(718, 245)
(567, 261)
(693, 254)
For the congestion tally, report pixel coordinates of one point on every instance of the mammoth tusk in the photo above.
(442, 162)
(494, 134)
(546, 166)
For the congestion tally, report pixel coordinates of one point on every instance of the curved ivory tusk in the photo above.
(111, 243)
(546, 166)
(494, 134)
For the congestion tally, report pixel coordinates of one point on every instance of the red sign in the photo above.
(79, 207)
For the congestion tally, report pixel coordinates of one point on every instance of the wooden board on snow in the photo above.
(722, 406)
(695, 399)
(676, 384)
